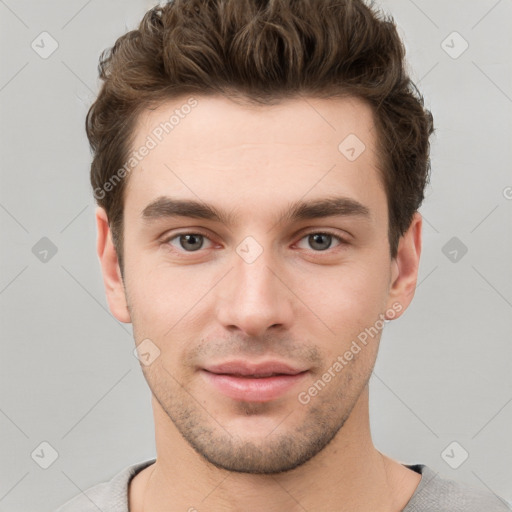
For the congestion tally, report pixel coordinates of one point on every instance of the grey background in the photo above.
(68, 374)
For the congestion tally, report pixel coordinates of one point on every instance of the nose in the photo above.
(255, 296)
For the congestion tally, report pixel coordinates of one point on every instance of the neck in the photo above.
(349, 474)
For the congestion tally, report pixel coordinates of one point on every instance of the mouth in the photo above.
(241, 380)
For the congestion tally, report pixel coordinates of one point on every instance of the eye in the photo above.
(321, 241)
(190, 242)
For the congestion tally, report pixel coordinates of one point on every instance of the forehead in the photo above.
(214, 149)
(208, 122)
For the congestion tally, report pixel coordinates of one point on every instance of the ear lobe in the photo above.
(404, 272)
(114, 286)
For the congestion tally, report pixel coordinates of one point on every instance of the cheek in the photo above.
(348, 297)
(166, 308)
(162, 292)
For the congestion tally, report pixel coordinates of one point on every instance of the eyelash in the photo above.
(342, 241)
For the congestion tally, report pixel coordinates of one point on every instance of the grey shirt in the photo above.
(433, 494)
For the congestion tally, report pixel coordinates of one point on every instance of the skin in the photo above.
(295, 303)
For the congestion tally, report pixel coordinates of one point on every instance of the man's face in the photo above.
(258, 291)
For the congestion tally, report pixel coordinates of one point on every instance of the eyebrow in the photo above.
(168, 207)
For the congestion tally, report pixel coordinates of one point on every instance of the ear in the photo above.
(404, 268)
(114, 287)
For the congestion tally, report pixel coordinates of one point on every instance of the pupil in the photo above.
(190, 239)
(315, 239)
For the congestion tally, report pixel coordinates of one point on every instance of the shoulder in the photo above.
(438, 494)
(111, 495)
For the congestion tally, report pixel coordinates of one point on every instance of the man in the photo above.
(258, 166)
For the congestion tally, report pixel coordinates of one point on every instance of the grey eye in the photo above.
(190, 242)
(320, 241)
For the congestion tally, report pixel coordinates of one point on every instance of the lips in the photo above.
(257, 370)
(256, 382)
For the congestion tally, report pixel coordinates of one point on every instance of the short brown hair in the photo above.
(261, 51)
